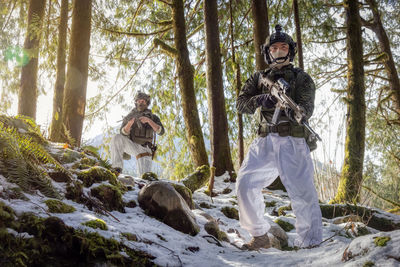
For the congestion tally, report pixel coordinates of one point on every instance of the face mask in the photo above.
(279, 56)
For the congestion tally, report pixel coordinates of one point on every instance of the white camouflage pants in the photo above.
(288, 157)
(120, 144)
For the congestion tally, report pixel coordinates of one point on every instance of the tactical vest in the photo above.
(141, 133)
(288, 127)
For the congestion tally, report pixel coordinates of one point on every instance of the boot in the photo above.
(257, 242)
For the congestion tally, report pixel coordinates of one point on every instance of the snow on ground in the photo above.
(173, 248)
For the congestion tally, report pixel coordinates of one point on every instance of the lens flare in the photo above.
(16, 56)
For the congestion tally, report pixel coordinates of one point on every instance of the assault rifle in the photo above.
(284, 102)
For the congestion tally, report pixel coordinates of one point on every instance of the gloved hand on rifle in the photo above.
(266, 100)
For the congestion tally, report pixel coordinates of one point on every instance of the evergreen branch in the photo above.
(137, 34)
(169, 50)
(383, 198)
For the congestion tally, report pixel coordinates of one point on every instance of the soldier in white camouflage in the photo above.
(136, 136)
(281, 149)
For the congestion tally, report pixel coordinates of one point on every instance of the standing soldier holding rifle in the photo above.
(285, 96)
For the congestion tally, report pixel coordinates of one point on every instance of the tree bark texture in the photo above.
(194, 132)
(220, 149)
(389, 63)
(27, 96)
(298, 34)
(77, 71)
(238, 85)
(261, 30)
(56, 129)
(352, 170)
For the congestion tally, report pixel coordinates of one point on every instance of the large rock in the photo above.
(381, 249)
(279, 234)
(161, 200)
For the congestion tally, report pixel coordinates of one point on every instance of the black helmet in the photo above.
(278, 36)
(141, 95)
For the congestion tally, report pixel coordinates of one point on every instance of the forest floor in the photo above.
(173, 248)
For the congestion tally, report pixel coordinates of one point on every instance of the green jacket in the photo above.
(302, 92)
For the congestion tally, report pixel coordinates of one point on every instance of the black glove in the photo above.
(290, 114)
(266, 101)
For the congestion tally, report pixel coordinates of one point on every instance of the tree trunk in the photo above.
(221, 153)
(77, 73)
(27, 96)
(389, 63)
(56, 129)
(236, 67)
(194, 132)
(261, 30)
(352, 172)
(298, 33)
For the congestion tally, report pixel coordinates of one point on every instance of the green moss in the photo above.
(69, 156)
(7, 215)
(205, 205)
(198, 178)
(88, 161)
(368, 264)
(281, 210)
(381, 241)
(226, 190)
(96, 224)
(110, 195)
(130, 236)
(74, 191)
(212, 228)
(56, 244)
(270, 204)
(370, 217)
(230, 212)
(56, 206)
(185, 193)
(286, 226)
(150, 176)
(96, 175)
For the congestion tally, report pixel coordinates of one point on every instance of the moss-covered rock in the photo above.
(206, 205)
(281, 210)
(96, 175)
(88, 161)
(368, 264)
(52, 243)
(68, 156)
(131, 204)
(7, 215)
(96, 224)
(130, 236)
(370, 217)
(212, 228)
(74, 191)
(110, 196)
(13, 193)
(56, 206)
(150, 176)
(284, 225)
(198, 178)
(270, 204)
(230, 212)
(380, 241)
(185, 193)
